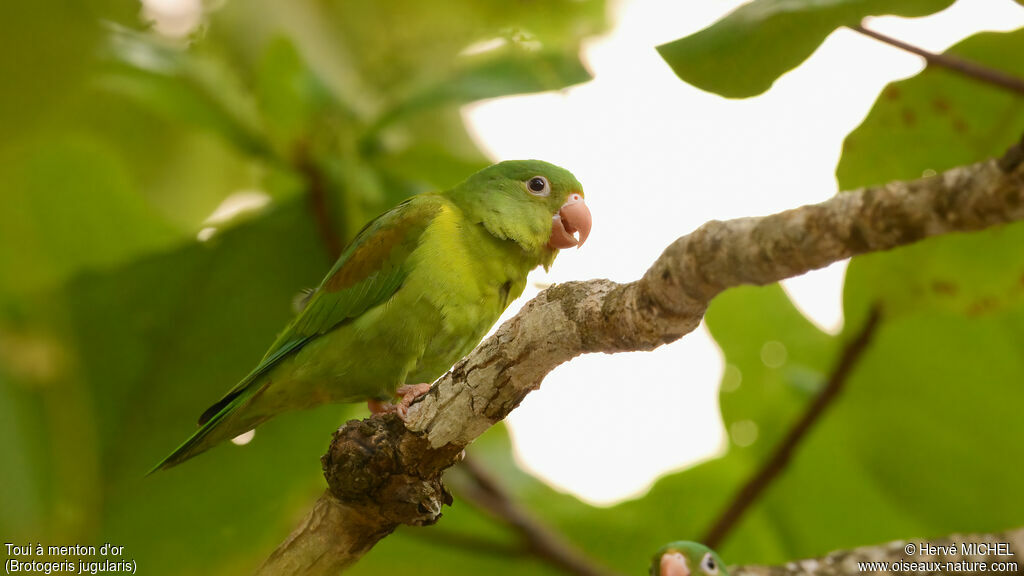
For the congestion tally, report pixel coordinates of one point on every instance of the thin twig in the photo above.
(318, 202)
(487, 494)
(777, 462)
(951, 62)
(473, 543)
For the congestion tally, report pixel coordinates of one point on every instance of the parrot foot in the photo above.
(408, 394)
(379, 406)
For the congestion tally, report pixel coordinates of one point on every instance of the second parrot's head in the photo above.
(534, 203)
(685, 558)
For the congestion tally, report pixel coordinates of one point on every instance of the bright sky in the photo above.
(657, 158)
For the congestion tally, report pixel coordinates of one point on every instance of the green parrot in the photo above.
(685, 558)
(414, 292)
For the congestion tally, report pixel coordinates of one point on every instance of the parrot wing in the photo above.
(369, 271)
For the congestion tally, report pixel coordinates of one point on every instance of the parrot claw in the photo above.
(408, 394)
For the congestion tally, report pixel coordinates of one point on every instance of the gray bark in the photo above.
(848, 562)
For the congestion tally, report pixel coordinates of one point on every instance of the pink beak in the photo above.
(572, 217)
(674, 564)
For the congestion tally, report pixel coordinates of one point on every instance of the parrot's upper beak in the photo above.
(674, 564)
(572, 217)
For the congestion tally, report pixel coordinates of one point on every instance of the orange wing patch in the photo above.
(373, 252)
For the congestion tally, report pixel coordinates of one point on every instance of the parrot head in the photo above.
(684, 558)
(538, 205)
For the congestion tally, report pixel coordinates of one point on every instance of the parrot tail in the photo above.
(220, 426)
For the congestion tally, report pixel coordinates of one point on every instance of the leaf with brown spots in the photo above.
(932, 122)
(938, 119)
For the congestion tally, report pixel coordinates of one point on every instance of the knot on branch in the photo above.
(380, 466)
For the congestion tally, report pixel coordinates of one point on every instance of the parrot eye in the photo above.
(708, 564)
(538, 186)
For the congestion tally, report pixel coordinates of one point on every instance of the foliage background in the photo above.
(118, 325)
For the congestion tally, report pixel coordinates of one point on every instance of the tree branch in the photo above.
(778, 460)
(318, 199)
(845, 562)
(382, 473)
(953, 63)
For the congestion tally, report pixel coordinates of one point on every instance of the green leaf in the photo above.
(920, 404)
(69, 205)
(425, 166)
(938, 119)
(134, 355)
(926, 124)
(974, 275)
(511, 69)
(776, 356)
(185, 85)
(47, 49)
(425, 41)
(22, 498)
(182, 172)
(292, 99)
(743, 54)
(917, 407)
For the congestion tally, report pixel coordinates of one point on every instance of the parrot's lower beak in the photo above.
(573, 217)
(674, 564)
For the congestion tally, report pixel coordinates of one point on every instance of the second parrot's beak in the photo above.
(572, 217)
(674, 564)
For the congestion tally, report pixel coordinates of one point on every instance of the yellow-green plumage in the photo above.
(415, 291)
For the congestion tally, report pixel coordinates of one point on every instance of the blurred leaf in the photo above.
(182, 172)
(511, 69)
(291, 97)
(743, 54)
(925, 124)
(417, 167)
(424, 40)
(99, 183)
(47, 48)
(186, 85)
(903, 420)
(772, 358)
(75, 209)
(21, 499)
(146, 348)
